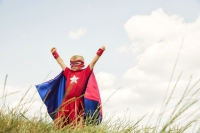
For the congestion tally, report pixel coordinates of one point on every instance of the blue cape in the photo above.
(52, 93)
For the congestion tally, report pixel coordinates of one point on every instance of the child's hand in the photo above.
(103, 48)
(53, 49)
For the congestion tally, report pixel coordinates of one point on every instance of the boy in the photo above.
(72, 107)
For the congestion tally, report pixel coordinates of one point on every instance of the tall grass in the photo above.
(18, 119)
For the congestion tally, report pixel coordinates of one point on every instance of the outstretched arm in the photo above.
(58, 58)
(96, 57)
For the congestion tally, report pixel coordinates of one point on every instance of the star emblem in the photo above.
(74, 79)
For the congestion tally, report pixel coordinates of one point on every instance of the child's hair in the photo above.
(77, 57)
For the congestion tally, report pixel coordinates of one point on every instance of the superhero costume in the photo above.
(58, 91)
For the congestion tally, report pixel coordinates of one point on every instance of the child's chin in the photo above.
(74, 69)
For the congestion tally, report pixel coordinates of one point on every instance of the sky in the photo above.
(142, 38)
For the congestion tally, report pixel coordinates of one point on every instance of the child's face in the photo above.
(75, 68)
(76, 65)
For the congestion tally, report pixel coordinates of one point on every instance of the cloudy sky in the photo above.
(142, 39)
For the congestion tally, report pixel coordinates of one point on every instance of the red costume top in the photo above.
(76, 81)
(72, 105)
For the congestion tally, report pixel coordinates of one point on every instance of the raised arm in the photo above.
(96, 57)
(58, 58)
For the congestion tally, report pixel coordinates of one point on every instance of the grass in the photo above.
(14, 121)
(17, 120)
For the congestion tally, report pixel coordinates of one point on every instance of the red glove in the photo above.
(99, 52)
(55, 54)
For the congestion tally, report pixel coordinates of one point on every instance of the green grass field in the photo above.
(181, 118)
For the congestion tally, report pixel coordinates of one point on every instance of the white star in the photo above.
(74, 79)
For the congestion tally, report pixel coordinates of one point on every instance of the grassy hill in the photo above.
(181, 118)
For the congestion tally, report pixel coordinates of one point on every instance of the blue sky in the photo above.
(30, 29)
(142, 39)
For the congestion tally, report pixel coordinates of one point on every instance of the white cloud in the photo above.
(154, 27)
(160, 36)
(105, 79)
(77, 34)
(155, 42)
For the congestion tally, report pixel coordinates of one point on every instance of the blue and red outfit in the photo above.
(72, 95)
(72, 108)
